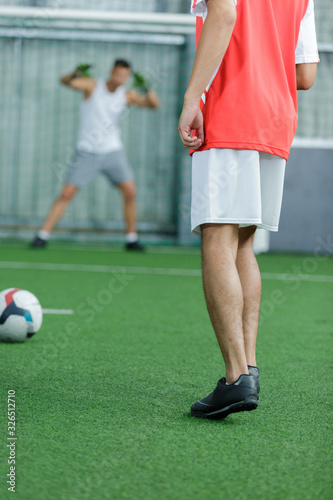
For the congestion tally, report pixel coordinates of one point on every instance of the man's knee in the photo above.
(129, 191)
(68, 193)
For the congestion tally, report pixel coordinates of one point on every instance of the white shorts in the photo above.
(236, 186)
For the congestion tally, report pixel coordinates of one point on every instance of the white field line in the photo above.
(58, 311)
(100, 269)
(150, 271)
(297, 277)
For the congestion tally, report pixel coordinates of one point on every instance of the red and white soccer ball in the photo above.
(21, 315)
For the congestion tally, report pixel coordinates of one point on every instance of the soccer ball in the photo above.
(21, 315)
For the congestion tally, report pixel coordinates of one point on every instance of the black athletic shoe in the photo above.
(136, 246)
(254, 370)
(226, 399)
(39, 243)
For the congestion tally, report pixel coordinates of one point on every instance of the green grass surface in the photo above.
(103, 396)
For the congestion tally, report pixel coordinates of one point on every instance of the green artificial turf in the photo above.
(103, 396)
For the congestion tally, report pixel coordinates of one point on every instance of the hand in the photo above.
(191, 119)
(140, 83)
(82, 71)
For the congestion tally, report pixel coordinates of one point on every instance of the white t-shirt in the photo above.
(307, 48)
(99, 130)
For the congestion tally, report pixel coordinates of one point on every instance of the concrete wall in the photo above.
(307, 211)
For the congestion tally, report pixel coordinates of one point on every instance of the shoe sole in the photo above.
(246, 405)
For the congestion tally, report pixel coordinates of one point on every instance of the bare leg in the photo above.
(59, 206)
(128, 190)
(224, 296)
(249, 274)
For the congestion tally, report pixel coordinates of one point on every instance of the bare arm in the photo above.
(305, 75)
(65, 80)
(149, 100)
(214, 41)
(86, 85)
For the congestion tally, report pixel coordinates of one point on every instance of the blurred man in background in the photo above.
(99, 147)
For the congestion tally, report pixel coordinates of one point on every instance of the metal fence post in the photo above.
(15, 121)
(160, 6)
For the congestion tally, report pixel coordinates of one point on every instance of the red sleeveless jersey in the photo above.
(252, 101)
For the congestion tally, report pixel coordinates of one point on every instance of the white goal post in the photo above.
(166, 23)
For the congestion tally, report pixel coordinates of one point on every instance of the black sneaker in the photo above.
(226, 399)
(136, 245)
(254, 370)
(39, 243)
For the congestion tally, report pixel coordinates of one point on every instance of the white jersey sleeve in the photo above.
(307, 48)
(199, 7)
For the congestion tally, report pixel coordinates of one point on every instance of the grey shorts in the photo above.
(85, 166)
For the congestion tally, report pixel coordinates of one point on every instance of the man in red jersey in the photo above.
(239, 119)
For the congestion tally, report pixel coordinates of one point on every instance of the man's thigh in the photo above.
(116, 168)
(83, 170)
(272, 172)
(225, 187)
